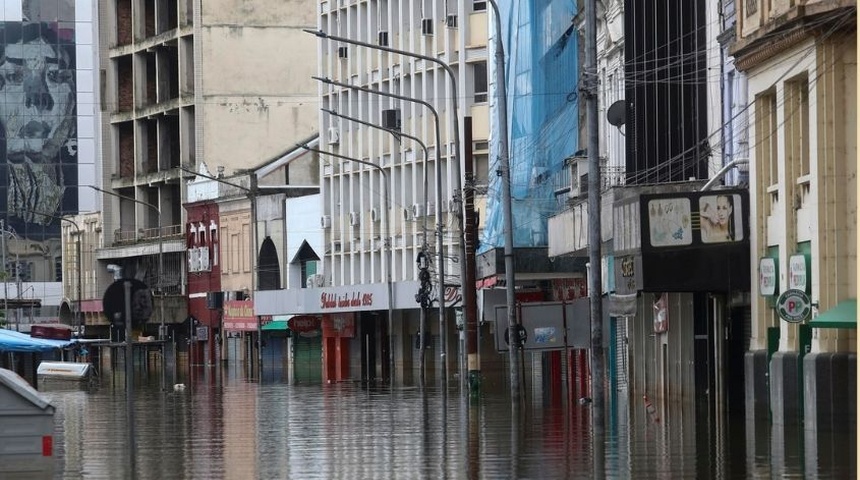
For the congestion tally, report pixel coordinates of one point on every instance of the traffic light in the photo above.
(423, 295)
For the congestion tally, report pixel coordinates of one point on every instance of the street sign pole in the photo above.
(129, 377)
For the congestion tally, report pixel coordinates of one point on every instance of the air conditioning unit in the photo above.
(391, 119)
(382, 39)
(375, 216)
(354, 219)
(333, 136)
(431, 209)
(578, 176)
(342, 52)
(451, 21)
(417, 210)
(427, 26)
(325, 221)
(408, 215)
(193, 260)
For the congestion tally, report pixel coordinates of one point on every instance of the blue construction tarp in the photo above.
(12, 341)
(542, 72)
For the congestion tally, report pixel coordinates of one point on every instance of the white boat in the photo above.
(65, 370)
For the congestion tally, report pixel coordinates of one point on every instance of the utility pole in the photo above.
(470, 295)
(594, 255)
(5, 273)
(507, 212)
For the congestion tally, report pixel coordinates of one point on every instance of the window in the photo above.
(752, 7)
(479, 6)
(767, 160)
(479, 72)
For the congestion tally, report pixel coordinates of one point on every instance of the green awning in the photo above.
(843, 315)
(275, 325)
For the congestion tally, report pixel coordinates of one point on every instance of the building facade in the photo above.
(366, 292)
(187, 82)
(48, 114)
(801, 65)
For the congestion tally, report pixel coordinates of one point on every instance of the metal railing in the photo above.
(127, 237)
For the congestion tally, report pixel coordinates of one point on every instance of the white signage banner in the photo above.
(797, 276)
(767, 276)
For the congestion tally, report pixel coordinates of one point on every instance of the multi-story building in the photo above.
(48, 115)
(359, 277)
(800, 60)
(185, 82)
(671, 298)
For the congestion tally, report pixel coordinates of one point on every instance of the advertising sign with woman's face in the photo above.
(719, 218)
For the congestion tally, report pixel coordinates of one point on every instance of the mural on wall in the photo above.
(39, 170)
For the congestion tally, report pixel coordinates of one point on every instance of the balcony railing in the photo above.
(127, 237)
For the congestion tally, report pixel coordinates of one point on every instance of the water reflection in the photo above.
(224, 426)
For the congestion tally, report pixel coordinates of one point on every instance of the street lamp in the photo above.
(397, 134)
(387, 244)
(440, 243)
(160, 249)
(466, 281)
(77, 254)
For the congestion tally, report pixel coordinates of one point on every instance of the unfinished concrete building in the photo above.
(184, 82)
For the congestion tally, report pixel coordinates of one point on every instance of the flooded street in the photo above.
(233, 428)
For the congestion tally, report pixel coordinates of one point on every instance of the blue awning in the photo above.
(12, 341)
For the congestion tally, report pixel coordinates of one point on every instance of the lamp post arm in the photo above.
(125, 197)
(395, 133)
(216, 179)
(377, 92)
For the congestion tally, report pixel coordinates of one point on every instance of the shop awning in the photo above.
(843, 315)
(275, 325)
(12, 341)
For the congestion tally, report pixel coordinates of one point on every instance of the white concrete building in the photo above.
(353, 281)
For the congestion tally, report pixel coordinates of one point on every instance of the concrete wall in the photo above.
(257, 95)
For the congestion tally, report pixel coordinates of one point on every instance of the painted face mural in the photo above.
(37, 105)
(38, 130)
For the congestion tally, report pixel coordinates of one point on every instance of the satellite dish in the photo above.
(617, 113)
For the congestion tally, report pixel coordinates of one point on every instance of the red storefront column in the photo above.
(338, 329)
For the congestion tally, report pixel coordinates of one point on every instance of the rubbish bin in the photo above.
(26, 430)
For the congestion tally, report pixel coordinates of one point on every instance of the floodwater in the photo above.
(234, 428)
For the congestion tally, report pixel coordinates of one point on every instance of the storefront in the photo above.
(356, 337)
(241, 328)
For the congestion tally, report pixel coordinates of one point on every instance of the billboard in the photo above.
(38, 145)
(695, 241)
